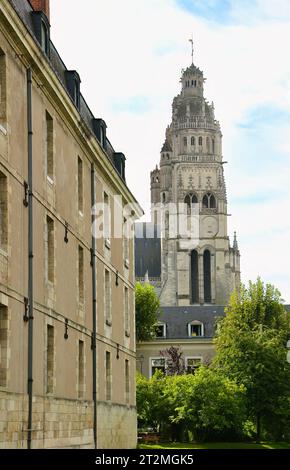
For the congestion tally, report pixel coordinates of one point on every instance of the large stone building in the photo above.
(67, 342)
(198, 268)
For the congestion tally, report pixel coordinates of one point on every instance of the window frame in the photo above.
(44, 37)
(195, 323)
(164, 328)
(106, 219)
(80, 182)
(107, 297)
(156, 358)
(209, 197)
(192, 357)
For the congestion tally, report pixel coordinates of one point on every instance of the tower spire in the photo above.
(192, 50)
(235, 245)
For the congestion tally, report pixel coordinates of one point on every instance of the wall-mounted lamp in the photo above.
(66, 233)
(66, 329)
(26, 306)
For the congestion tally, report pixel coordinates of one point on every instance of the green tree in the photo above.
(251, 349)
(206, 405)
(147, 311)
(152, 406)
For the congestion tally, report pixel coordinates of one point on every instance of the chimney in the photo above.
(40, 5)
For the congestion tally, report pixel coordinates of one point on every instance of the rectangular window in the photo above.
(126, 306)
(107, 299)
(192, 363)
(108, 376)
(3, 96)
(107, 218)
(3, 345)
(80, 186)
(81, 274)
(50, 248)
(127, 381)
(3, 212)
(157, 364)
(195, 329)
(126, 243)
(49, 148)
(50, 359)
(160, 330)
(81, 370)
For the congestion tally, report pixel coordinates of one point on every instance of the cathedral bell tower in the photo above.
(191, 175)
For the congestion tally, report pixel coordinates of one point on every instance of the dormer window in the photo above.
(44, 38)
(119, 162)
(195, 328)
(160, 330)
(42, 30)
(76, 94)
(73, 86)
(100, 127)
(102, 140)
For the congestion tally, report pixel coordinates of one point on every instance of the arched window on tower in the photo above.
(189, 200)
(209, 201)
(207, 276)
(194, 277)
(207, 145)
(163, 198)
(213, 146)
(185, 142)
(192, 141)
(200, 141)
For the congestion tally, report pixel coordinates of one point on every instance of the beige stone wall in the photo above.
(203, 349)
(119, 427)
(60, 417)
(57, 423)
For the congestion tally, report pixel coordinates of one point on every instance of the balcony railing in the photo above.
(197, 158)
(196, 123)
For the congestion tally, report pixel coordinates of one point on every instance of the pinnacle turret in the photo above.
(235, 244)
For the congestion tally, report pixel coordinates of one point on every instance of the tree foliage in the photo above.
(251, 349)
(243, 393)
(205, 404)
(147, 311)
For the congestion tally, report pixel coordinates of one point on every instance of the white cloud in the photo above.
(137, 49)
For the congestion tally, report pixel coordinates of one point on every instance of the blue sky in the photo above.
(226, 12)
(213, 10)
(243, 47)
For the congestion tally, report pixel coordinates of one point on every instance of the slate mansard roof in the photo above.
(178, 318)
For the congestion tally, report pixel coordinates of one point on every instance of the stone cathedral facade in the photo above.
(191, 172)
(199, 270)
